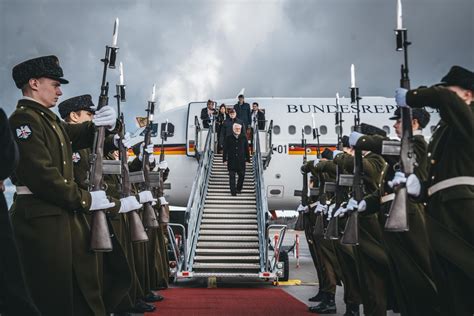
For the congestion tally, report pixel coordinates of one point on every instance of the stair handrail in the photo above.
(269, 145)
(198, 129)
(261, 198)
(197, 197)
(271, 265)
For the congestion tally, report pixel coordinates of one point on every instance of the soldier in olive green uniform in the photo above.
(371, 258)
(449, 189)
(408, 252)
(114, 270)
(48, 214)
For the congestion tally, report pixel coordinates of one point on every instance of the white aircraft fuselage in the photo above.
(290, 116)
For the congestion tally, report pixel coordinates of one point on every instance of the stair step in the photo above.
(229, 221)
(225, 245)
(227, 238)
(227, 251)
(226, 258)
(231, 198)
(232, 266)
(226, 194)
(222, 191)
(207, 216)
(229, 226)
(228, 232)
(226, 275)
(220, 210)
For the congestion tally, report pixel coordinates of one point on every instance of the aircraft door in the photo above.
(194, 129)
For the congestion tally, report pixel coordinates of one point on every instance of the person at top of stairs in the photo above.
(236, 153)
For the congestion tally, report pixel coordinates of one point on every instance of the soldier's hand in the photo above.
(354, 137)
(413, 185)
(401, 97)
(341, 211)
(146, 196)
(397, 179)
(106, 116)
(128, 204)
(127, 140)
(163, 201)
(362, 206)
(163, 165)
(302, 208)
(331, 211)
(99, 201)
(320, 208)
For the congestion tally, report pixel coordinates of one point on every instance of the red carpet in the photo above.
(228, 301)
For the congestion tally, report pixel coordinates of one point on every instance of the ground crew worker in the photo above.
(449, 188)
(48, 214)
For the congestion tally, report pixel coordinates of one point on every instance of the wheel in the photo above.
(286, 265)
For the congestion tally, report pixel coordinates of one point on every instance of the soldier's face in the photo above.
(465, 95)
(398, 127)
(47, 91)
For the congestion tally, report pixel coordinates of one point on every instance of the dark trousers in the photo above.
(240, 181)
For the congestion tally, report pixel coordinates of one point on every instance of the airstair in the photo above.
(228, 236)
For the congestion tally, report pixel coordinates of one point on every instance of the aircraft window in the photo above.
(339, 132)
(386, 129)
(432, 128)
(323, 129)
(276, 129)
(307, 130)
(292, 130)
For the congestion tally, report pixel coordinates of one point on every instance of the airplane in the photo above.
(288, 119)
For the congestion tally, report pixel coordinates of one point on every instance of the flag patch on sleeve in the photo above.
(23, 132)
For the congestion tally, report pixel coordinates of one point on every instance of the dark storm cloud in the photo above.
(211, 49)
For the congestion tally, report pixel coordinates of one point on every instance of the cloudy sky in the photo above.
(195, 50)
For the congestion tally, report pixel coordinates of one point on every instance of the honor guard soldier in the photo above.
(48, 214)
(449, 189)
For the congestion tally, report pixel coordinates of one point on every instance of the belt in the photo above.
(387, 198)
(450, 183)
(22, 190)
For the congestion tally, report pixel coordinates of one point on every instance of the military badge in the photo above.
(23, 132)
(76, 157)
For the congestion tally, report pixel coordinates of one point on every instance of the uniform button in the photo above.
(415, 92)
(62, 144)
(42, 113)
(433, 161)
(65, 180)
(64, 162)
(22, 107)
(432, 178)
(84, 202)
(54, 127)
(429, 154)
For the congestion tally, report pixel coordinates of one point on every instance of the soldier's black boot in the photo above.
(318, 297)
(152, 297)
(352, 310)
(327, 305)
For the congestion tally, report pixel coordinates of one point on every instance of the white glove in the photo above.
(352, 204)
(401, 97)
(106, 116)
(362, 206)
(340, 211)
(320, 208)
(315, 162)
(149, 149)
(146, 196)
(163, 201)
(128, 204)
(163, 165)
(99, 201)
(335, 153)
(354, 137)
(413, 185)
(397, 179)
(127, 140)
(331, 211)
(302, 208)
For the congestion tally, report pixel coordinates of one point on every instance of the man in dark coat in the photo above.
(207, 113)
(15, 298)
(449, 188)
(243, 111)
(236, 153)
(258, 116)
(227, 126)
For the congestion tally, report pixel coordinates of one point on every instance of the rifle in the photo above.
(137, 231)
(100, 235)
(318, 230)
(332, 231)
(351, 231)
(304, 191)
(397, 220)
(167, 130)
(149, 216)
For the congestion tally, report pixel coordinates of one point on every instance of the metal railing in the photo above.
(180, 257)
(197, 197)
(261, 199)
(269, 145)
(271, 265)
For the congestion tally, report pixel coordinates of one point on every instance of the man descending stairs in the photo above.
(228, 237)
